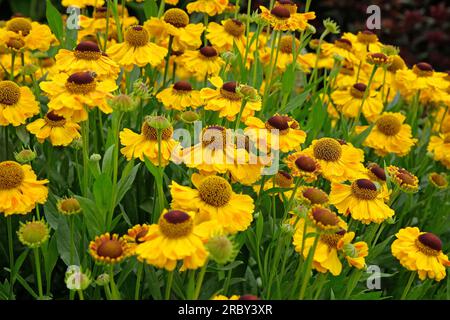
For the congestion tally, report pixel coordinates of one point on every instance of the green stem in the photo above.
(166, 68)
(12, 276)
(85, 137)
(408, 285)
(137, 290)
(38, 272)
(72, 243)
(291, 199)
(272, 66)
(13, 59)
(114, 291)
(161, 8)
(169, 285)
(80, 294)
(200, 278)
(307, 271)
(238, 119)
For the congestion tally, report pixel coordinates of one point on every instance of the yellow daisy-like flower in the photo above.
(389, 135)
(342, 47)
(19, 188)
(439, 180)
(82, 3)
(33, 234)
(354, 253)
(364, 42)
(404, 179)
(135, 236)
(339, 160)
(281, 179)
(280, 18)
(288, 136)
(439, 146)
(227, 34)
(87, 56)
(22, 33)
(363, 200)
(303, 166)
(247, 167)
(312, 196)
(17, 104)
(59, 130)
(70, 94)
(176, 237)
(210, 7)
(205, 62)
(349, 102)
(214, 199)
(226, 100)
(68, 206)
(146, 144)
(323, 219)
(180, 96)
(109, 249)
(421, 252)
(136, 50)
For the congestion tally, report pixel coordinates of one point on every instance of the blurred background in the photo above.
(420, 28)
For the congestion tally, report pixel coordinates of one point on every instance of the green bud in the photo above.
(76, 279)
(141, 90)
(102, 279)
(77, 144)
(350, 250)
(158, 122)
(29, 69)
(221, 249)
(190, 116)
(95, 157)
(25, 156)
(331, 26)
(123, 103)
(249, 93)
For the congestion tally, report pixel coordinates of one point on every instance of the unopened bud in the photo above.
(25, 156)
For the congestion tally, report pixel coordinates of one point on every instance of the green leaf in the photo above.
(63, 243)
(153, 170)
(107, 163)
(126, 182)
(359, 139)
(102, 192)
(55, 22)
(92, 215)
(150, 9)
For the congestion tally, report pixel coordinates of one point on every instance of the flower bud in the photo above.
(95, 157)
(76, 279)
(331, 26)
(123, 103)
(247, 92)
(29, 69)
(190, 116)
(33, 233)
(221, 249)
(25, 156)
(158, 122)
(102, 279)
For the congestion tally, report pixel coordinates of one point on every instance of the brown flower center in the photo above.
(70, 205)
(215, 191)
(406, 177)
(182, 86)
(431, 241)
(327, 149)
(137, 36)
(286, 44)
(439, 179)
(315, 196)
(87, 50)
(19, 25)
(151, 133)
(228, 91)
(389, 125)
(423, 69)
(176, 17)
(208, 52)
(358, 90)
(9, 92)
(332, 240)
(283, 179)
(364, 189)
(234, 27)
(110, 248)
(80, 83)
(280, 12)
(343, 44)
(324, 216)
(11, 175)
(305, 163)
(176, 224)
(377, 171)
(278, 122)
(54, 120)
(367, 37)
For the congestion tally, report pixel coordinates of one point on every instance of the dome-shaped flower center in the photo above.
(327, 149)
(46, 62)
(110, 248)
(80, 83)
(377, 58)
(438, 179)
(9, 92)
(137, 36)
(278, 122)
(343, 44)
(287, 4)
(315, 196)
(19, 25)
(142, 233)
(377, 171)
(429, 244)
(423, 69)
(15, 43)
(33, 232)
(364, 189)
(87, 50)
(176, 17)
(331, 240)
(182, 86)
(280, 12)
(215, 191)
(151, 133)
(228, 91)
(208, 52)
(175, 224)
(324, 216)
(367, 37)
(397, 63)
(286, 44)
(54, 120)
(214, 136)
(283, 179)
(358, 90)
(101, 12)
(70, 205)
(305, 163)
(11, 175)
(388, 125)
(234, 27)
(406, 177)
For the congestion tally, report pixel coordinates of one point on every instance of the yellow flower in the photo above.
(364, 42)
(214, 199)
(349, 102)
(222, 297)
(342, 47)
(19, 188)
(109, 249)
(354, 253)
(17, 104)
(69, 95)
(60, 131)
(176, 237)
(33, 234)
(68, 206)
(325, 220)
(205, 62)
(225, 35)
(135, 236)
(421, 252)
(280, 18)
(404, 179)
(288, 136)
(82, 3)
(389, 135)
(247, 167)
(137, 50)
(312, 196)
(439, 146)
(210, 7)
(281, 179)
(22, 33)
(438, 180)
(86, 56)
(339, 160)
(146, 144)
(303, 166)
(226, 100)
(180, 96)
(363, 200)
